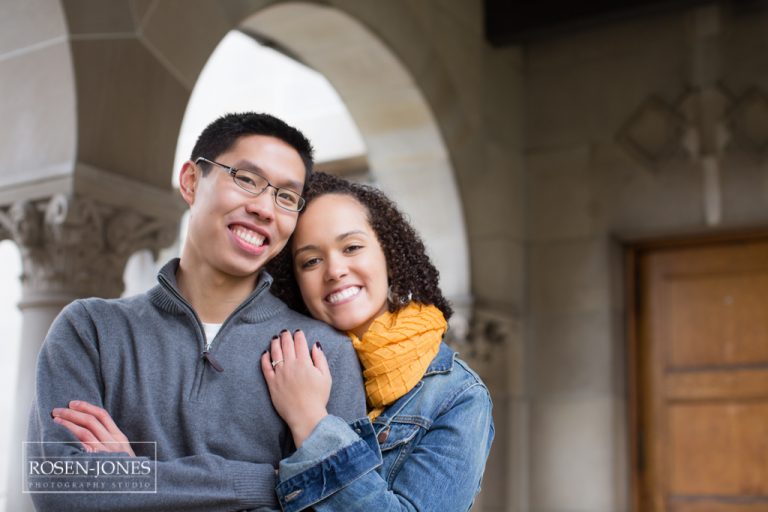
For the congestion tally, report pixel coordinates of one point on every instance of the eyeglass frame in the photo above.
(232, 171)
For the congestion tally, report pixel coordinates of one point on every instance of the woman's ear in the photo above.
(189, 177)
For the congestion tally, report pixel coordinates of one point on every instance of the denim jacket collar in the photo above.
(442, 363)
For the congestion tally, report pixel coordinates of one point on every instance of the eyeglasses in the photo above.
(255, 184)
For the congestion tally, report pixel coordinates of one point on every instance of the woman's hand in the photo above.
(299, 383)
(93, 427)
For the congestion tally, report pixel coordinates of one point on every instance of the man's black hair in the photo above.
(219, 136)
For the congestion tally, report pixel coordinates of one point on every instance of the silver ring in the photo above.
(275, 363)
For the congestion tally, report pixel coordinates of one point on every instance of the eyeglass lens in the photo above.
(256, 184)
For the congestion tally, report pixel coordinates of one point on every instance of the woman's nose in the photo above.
(336, 269)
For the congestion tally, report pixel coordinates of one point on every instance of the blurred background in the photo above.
(589, 177)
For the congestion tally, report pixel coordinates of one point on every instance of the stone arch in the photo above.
(406, 153)
(136, 65)
(139, 70)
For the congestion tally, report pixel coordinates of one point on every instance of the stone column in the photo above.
(493, 348)
(71, 247)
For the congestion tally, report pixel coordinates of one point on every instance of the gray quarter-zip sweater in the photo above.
(219, 440)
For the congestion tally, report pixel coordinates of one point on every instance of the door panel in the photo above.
(702, 367)
(722, 506)
(717, 320)
(715, 447)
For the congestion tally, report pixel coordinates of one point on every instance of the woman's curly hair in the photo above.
(411, 273)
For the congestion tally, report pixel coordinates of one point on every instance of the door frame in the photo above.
(633, 248)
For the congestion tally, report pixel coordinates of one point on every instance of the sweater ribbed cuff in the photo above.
(254, 488)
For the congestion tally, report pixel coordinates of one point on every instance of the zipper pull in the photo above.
(212, 361)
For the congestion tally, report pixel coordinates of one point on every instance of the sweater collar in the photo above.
(259, 306)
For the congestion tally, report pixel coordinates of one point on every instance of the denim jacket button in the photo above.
(383, 435)
(292, 496)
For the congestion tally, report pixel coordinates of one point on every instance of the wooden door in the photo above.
(701, 390)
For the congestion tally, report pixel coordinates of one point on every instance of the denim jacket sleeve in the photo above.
(440, 468)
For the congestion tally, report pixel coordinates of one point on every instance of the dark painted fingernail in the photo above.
(275, 337)
(52, 416)
(284, 331)
(297, 330)
(319, 345)
(263, 352)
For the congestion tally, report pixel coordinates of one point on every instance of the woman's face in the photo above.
(339, 263)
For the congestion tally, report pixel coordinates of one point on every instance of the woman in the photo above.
(355, 263)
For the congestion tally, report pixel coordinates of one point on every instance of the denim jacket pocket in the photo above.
(395, 449)
(396, 434)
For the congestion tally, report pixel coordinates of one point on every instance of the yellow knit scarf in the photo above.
(395, 352)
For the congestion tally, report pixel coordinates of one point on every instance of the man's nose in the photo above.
(262, 205)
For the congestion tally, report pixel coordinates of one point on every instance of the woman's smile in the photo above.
(344, 295)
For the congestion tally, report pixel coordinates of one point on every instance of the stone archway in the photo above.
(406, 154)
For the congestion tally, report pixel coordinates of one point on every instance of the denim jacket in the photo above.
(426, 451)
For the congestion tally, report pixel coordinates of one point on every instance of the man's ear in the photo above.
(189, 177)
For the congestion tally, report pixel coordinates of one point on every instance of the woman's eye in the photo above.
(352, 248)
(310, 262)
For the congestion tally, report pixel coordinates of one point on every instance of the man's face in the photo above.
(230, 230)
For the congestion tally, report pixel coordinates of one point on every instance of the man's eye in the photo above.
(286, 197)
(246, 180)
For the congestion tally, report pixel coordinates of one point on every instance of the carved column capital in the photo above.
(76, 245)
(493, 348)
(478, 332)
(489, 331)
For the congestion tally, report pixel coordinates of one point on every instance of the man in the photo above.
(179, 365)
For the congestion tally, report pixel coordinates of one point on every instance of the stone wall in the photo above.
(647, 128)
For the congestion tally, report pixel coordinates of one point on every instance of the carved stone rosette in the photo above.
(492, 347)
(487, 333)
(74, 245)
(490, 330)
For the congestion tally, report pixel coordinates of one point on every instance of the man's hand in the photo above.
(299, 382)
(93, 427)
